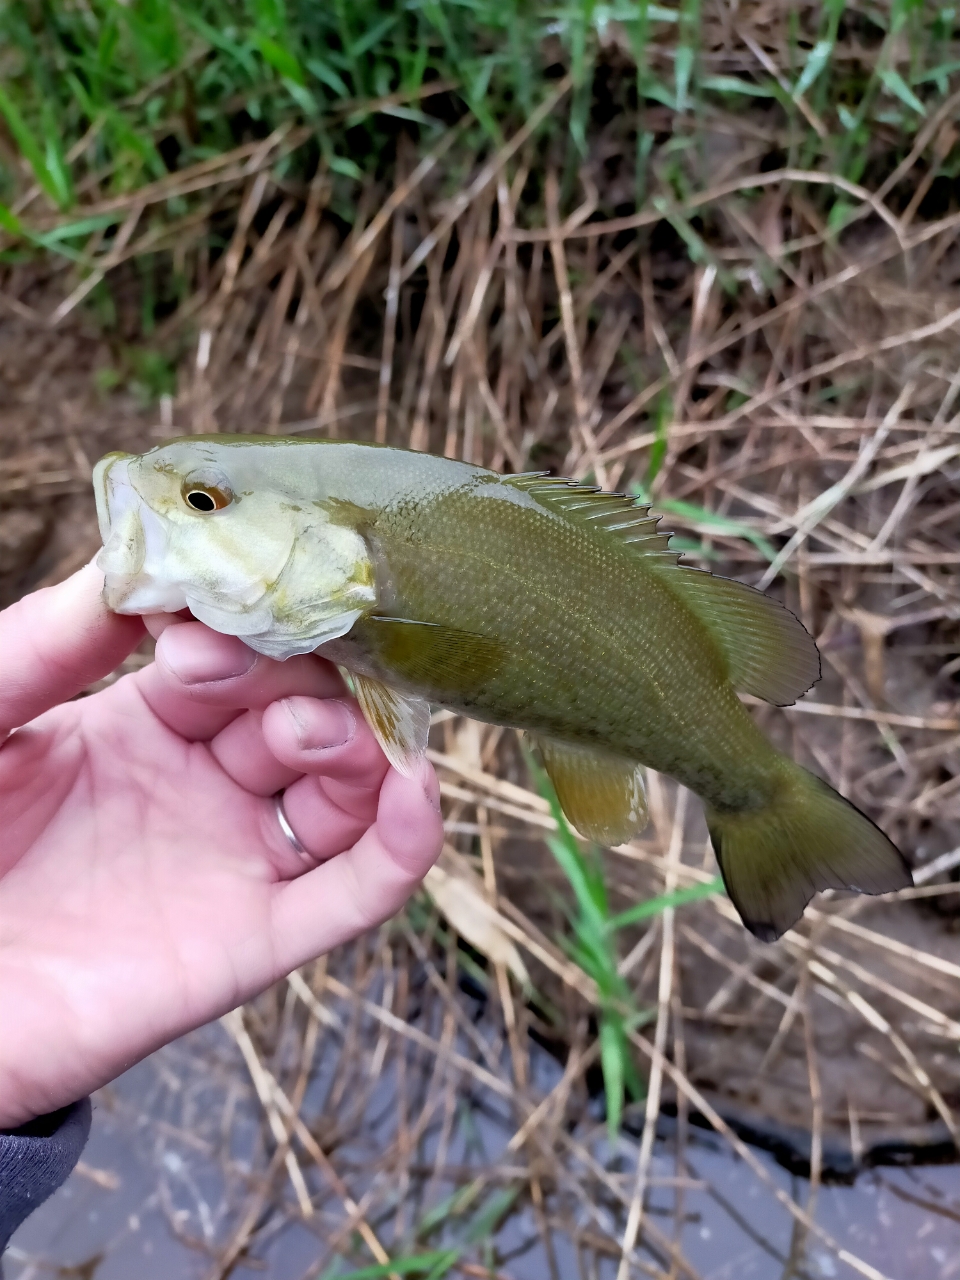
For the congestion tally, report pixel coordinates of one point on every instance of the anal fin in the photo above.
(602, 794)
(400, 723)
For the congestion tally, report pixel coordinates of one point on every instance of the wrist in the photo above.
(38, 1126)
(33, 1081)
(16, 1109)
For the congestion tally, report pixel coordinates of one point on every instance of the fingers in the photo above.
(324, 757)
(369, 882)
(157, 623)
(327, 737)
(56, 642)
(242, 753)
(323, 827)
(201, 680)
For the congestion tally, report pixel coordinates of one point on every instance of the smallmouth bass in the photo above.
(522, 600)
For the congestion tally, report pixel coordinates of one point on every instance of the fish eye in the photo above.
(205, 497)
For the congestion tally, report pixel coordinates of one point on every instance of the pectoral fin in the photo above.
(601, 794)
(448, 661)
(401, 723)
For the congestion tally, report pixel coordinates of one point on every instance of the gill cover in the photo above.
(255, 564)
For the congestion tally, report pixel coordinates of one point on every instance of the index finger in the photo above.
(201, 680)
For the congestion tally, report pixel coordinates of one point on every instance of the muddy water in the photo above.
(154, 1199)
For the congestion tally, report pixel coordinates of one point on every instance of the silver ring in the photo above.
(286, 828)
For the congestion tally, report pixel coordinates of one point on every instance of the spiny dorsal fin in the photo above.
(618, 514)
(768, 650)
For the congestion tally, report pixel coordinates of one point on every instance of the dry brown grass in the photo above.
(799, 384)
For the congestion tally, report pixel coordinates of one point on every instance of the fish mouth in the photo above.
(134, 543)
(102, 489)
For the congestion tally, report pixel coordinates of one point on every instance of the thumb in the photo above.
(56, 642)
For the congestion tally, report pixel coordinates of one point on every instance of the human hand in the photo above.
(146, 886)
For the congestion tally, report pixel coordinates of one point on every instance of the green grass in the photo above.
(593, 945)
(478, 1229)
(694, 513)
(118, 95)
(99, 99)
(160, 84)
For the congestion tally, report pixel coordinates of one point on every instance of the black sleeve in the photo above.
(35, 1159)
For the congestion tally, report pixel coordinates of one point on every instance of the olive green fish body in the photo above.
(589, 643)
(520, 600)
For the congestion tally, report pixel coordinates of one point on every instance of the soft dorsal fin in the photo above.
(768, 650)
(623, 517)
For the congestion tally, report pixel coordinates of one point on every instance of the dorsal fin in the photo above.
(619, 514)
(768, 651)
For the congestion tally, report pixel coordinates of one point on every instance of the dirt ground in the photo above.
(837, 1046)
(744, 1039)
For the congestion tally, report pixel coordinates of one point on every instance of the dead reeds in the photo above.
(786, 390)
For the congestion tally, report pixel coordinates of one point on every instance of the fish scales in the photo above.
(585, 651)
(521, 600)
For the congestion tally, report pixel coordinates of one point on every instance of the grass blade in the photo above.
(420, 1264)
(894, 83)
(653, 906)
(53, 184)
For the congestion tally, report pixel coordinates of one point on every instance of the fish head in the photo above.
(221, 530)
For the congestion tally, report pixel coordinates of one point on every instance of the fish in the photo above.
(529, 601)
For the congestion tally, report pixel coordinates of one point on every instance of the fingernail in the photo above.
(320, 725)
(203, 657)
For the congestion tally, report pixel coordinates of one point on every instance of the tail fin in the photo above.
(809, 838)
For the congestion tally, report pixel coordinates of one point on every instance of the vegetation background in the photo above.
(706, 252)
